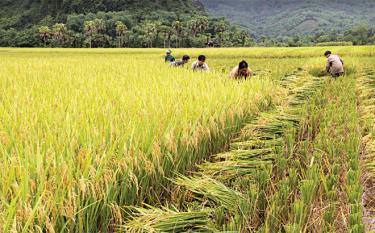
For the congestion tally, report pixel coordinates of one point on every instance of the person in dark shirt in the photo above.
(169, 57)
(181, 63)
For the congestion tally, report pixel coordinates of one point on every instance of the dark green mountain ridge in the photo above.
(148, 23)
(294, 17)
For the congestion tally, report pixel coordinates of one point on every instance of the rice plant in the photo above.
(84, 134)
(222, 182)
(82, 131)
(366, 99)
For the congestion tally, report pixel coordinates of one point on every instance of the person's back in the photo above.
(177, 63)
(181, 63)
(200, 64)
(335, 65)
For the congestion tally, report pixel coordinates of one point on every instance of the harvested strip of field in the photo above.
(235, 185)
(366, 98)
(329, 198)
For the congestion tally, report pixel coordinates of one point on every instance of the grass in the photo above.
(230, 174)
(82, 132)
(366, 97)
(86, 133)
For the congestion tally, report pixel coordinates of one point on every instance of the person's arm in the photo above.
(250, 72)
(206, 68)
(342, 61)
(193, 66)
(233, 73)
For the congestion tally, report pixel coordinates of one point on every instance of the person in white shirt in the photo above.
(200, 64)
(335, 65)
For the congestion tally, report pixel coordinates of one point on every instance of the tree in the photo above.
(360, 34)
(149, 31)
(208, 38)
(177, 27)
(99, 25)
(220, 28)
(99, 36)
(243, 36)
(44, 33)
(90, 30)
(59, 31)
(192, 25)
(167, 35)
(120, 32)
(158, 27)
(203, 24)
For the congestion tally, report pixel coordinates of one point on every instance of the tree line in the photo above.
(161, 29)
(361, 34)
(117, 29)
(145, 23)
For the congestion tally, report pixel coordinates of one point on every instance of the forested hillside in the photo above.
(113, 23)
(278, 19)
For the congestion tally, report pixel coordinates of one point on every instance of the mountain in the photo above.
(22, 13)
(294, 17)
(95, 23)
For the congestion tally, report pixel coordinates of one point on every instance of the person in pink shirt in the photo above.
(335, 65)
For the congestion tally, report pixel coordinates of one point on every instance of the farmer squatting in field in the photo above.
(241, 71)
(185, 59)
(200, 64)
(335, 65)
(169, 57)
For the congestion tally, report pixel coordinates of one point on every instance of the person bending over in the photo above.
(335, 65)
(181, 63)
(200, 64)
(168, 56)
(242, 71)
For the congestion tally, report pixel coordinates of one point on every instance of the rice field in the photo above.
(115, 140)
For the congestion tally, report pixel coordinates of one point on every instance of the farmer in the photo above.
(185, 59)
(200, 64)
(335, 65)
(241, 71)
(168, 56)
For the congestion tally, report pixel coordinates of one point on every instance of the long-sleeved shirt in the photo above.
(204, 67)
(235, 75)
(335, 65)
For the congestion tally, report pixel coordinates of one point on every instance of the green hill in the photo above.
(294, 17)
(31, 11)
(148, 23)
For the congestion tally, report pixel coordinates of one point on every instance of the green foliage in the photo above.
(171, 23)
(120, 23)
(293, 17)
(335, 43)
